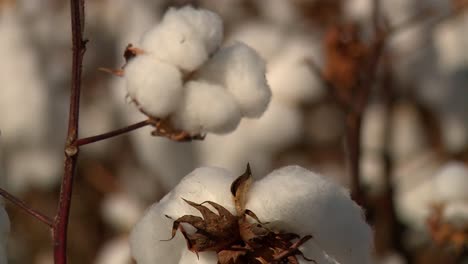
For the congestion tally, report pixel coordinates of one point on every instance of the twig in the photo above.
(21, 204)
(71, 149)
(89, 140)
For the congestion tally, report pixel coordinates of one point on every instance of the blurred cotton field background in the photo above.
(415, 128)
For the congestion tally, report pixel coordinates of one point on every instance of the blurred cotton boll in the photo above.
(121, 211)
(291, 199)
(115, 251)
(23, 96)
(451, 183)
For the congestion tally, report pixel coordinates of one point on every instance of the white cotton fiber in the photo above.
(456, 213)
(154, 85)
(203, 184)
(116, 251)
(207, 108)
(207, 24)
(451, 182)
(121, 211)
(241, 70)
(185, 37)
(297, 200)
(292, 199)
(289, 76)
(189, 257)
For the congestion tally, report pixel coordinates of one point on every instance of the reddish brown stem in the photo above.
(353, 147)
(21, 204)
(89, 140)
(71, 149)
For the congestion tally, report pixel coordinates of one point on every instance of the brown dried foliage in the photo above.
(445, 234)
(235, 238)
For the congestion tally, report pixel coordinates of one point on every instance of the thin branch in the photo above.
(60, 229)
(89, 140)
(21, 204)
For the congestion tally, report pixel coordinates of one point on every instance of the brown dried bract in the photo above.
(235, 238)
(445, 234)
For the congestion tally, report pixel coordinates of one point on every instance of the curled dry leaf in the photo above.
(235, 238)
(444, 233)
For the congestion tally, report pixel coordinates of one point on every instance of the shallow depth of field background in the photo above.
(416, 121)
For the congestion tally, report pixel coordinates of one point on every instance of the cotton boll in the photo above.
(115, 251)
(451, 182)
(207, 108)
(121, 211)
(23, 96)
(39, 168)
(203, 184)
(154, 85)
(289, 76)
(177, 42)
(372, 172)
(450, 41)
(241, 70)
(207, 24)
(408, 137)
(454, 133)
(280, 126)
(456, 213)
(374, 128)
(299, 201)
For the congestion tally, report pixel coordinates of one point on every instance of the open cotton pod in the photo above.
(290, 212)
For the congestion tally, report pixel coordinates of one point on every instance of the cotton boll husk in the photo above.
(264, 38)
(299, 201)
(451, 182)
(289, 76)
(207, 24)
(241, 71)
(207, 108)
(121, 211)
(115, 251)
(176, 42)
(154, 85)
(203, 184)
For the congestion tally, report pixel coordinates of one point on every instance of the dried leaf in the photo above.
(239, 189)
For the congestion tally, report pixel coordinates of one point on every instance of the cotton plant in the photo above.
(291, 215)
(182, 79)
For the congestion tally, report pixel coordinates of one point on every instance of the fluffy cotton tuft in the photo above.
(155, 86)
(292, 199)
(241, 70)
(451, 182)
(207, 108)
(299, 201)
(185, 37)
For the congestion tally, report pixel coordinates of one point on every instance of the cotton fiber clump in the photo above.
(291, 199)
(183, 76)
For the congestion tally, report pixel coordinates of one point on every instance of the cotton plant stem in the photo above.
(111, 134)
(60, 229)
(21, 204)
